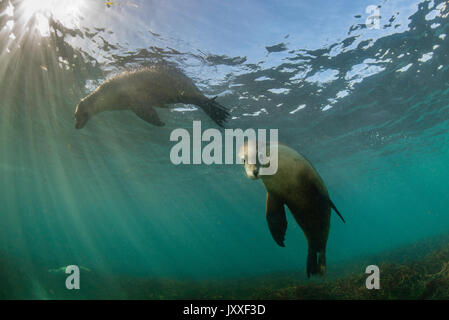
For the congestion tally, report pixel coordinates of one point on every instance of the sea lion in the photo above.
(142, 90)
(297, 185)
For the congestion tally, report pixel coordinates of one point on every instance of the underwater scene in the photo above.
(96, 98)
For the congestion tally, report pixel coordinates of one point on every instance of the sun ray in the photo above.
(67, 12)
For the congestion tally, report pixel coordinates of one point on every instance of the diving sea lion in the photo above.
(297, 185)
(144, 89)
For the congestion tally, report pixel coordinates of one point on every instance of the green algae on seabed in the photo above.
(426, 278)
(419, 271)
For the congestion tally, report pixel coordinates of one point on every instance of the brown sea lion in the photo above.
(297, 185)
(142, 90)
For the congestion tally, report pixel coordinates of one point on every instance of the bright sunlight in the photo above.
(68, 12)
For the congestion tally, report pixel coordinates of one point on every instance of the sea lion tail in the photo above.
(316, 262)
(214, 110)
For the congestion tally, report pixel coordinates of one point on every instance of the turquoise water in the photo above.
(375, 125)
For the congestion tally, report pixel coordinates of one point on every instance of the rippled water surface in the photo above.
(368, 106)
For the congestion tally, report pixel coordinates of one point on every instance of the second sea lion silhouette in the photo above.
(142, 90)
(297, 185)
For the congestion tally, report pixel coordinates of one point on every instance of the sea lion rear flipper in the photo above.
(214, 110)
(277, 221)
(149, 115)
(316, 262)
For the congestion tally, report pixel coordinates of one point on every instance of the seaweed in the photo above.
(416, 271)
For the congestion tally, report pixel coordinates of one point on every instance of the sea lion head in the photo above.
(248, 157)
(82, 114)
(259, 159)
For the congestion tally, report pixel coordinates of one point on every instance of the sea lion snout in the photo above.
(252, 171)
(256, 173)
(247, 155)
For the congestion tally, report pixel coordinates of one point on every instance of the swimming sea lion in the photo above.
(144, 89)
(297, 185)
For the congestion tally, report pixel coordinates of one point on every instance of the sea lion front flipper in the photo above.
(336, 210)
(277, 221)
(324, 198)
(149, 115)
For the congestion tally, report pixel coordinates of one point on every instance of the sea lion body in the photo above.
(297, 185)
(144, 89)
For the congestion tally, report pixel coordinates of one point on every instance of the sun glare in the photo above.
(67, 12)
